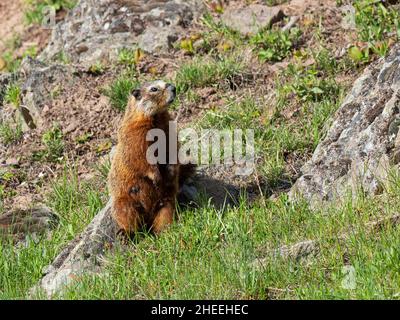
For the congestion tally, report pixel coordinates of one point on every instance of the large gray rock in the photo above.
(19, 223)
(250, 19)
(82, 255)
(95, 30)
(363, 140)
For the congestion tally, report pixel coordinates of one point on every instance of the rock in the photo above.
(20, 223)
(356, 150)
(96, 30)
(38, 81)
(156, 40)
(250, 19)
(83, 255)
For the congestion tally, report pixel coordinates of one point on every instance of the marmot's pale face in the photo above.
(154, 97)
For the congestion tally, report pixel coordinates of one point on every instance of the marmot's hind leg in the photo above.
(163, 218)
(126, 214)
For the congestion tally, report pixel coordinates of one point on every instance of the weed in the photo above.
(13, 95)
(62, 57)
(103, 168)
(275, 45)
(53, 142)
(306, 84)
(97, 68)
(377, 25)
(10, 132)
(13, 63)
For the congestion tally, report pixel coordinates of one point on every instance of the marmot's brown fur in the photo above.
(143, 194)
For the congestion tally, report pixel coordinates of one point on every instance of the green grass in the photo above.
(201, 72)
(52, 141)
(377, 26)
(209, 254)
(312, 92)
(13, 62)
(36, 9)
(127, 57)
(76, 203)
(10, 132)
(120, 90)
(13, 95)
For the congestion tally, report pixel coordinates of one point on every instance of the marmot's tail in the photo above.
(186, 171)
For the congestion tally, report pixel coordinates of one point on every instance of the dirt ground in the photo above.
(14, 30)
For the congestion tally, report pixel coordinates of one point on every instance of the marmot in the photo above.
(144, 194)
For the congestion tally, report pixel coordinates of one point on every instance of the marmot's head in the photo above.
(154, 97)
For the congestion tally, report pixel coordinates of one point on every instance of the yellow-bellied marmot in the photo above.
(144, 194)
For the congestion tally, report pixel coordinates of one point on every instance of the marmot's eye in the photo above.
(153, 89)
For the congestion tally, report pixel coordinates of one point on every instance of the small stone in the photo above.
(81, 48)
(119, 26)
(154, 40)
(12, 162)
(71, 127)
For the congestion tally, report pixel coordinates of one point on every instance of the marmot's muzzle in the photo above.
(172, 93)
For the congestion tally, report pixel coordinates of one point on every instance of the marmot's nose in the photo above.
(171, 87)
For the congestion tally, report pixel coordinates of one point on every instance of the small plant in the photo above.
(12, 63)
(13, 95)
(307, 84)
(119, 92)
(126, 57)
(36, 9)
(84, 138)
(97, 69)
(62, 57)
(326, 62)
(219, 27)
(52, 140)
(380, 48)
(275, 2)
(359, 55)
(378, 27)
(374, 21)
(10, 132)
(274, 45)
(187, 45)
(130, 57)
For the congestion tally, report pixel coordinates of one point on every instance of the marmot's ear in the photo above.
(136, 94)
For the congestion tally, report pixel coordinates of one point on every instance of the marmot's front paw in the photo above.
(155, 177)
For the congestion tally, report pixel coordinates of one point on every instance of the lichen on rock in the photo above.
(360, 145)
